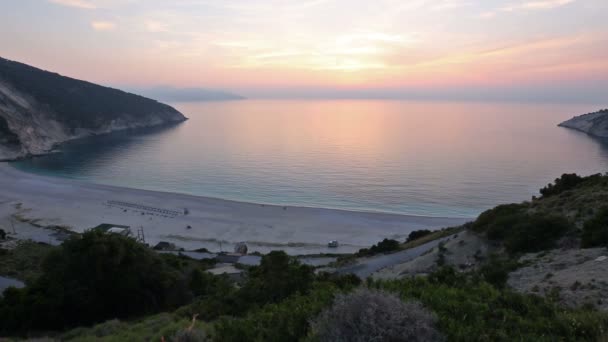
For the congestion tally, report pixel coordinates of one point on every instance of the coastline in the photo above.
(214, 223)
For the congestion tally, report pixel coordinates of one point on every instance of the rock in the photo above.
(594, 124)
(40, 109)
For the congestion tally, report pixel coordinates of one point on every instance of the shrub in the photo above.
(521, 231)
(494, 221)
(496, 270)
(277, 277)
(569, 181)
(372, 315)
(595, 231)
(384, 246)
(288, 320)
(190, 335)
(417, 234)
(90, 279)
(535, 233)
(472, 310)
(565, 182)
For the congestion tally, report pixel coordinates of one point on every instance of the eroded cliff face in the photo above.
(594, 124)
(29, 127)
(26, 127)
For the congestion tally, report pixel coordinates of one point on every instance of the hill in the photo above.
(39, 109)
(594, 124)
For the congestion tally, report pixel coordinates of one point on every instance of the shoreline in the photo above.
(214, 223)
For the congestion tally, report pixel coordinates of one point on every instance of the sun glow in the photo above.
(318, 43)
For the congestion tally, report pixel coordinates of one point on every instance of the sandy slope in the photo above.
(79, 205)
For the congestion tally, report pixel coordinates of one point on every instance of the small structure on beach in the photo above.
(109, 228)
(119, 231)
(240, 248)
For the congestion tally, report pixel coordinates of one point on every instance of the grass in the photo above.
(151, 328)
(24, 261)
(433, 236)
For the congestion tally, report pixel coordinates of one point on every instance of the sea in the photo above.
(427, 158)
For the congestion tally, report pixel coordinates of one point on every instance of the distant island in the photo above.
(39, 109)
(171, 94)
(594, 124)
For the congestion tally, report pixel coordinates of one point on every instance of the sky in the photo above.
(452, 49)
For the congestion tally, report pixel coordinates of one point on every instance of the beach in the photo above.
(193, 222)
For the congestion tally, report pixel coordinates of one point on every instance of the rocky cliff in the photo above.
(595, 124)
(40, 109)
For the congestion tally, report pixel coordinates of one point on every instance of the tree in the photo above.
(92, 278)
(277, 277)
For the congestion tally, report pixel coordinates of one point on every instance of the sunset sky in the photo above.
(319, 47)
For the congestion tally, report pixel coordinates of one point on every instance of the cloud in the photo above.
(75, 3)
(100, 25)
(450, 5)
(527, 6)
(156, 26)
(537, 5)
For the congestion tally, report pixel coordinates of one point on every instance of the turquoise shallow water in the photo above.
(417, 158)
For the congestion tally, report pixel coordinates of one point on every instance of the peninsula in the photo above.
(594, 124)
(40, 109)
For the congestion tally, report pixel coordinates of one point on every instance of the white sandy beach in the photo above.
(297, 230)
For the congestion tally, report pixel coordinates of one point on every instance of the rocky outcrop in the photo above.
(39, 110)
(594, 124)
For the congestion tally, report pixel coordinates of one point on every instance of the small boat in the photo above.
(332, 244)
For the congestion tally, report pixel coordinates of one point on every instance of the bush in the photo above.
(190, 335)
(595, 231)
(472, 310)
(496, 270)
(372, 315)
(384, 246)
(521, 231)
(535, 233)
(93, 278)
(494, 221)
(417, 234)
(288, 320)
(569, 181)
(277, 277)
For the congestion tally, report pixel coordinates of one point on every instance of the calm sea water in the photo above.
(419, 158)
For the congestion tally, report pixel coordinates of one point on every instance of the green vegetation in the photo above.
(90, 279)
(571, 202)
(595, 231)
(521, 232)
(384, 246)
(78, 103)
(566, 182)
(372, 315)
(99, 277)
(461, 307)
(152, 328)
(24, 262)
(417, 234)
(471, 309)
(438, 234)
